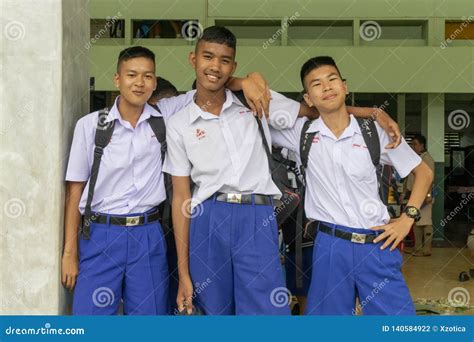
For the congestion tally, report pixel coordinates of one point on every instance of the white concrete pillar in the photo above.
(43, 90)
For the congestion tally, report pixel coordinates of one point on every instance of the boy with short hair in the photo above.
(122, 249)
(350, 257)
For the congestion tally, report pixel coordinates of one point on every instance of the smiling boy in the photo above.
(351, 258)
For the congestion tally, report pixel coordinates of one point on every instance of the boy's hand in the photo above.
(394, 232)
(69, 270)
(389, 126)
(257, 93)
(185, 294)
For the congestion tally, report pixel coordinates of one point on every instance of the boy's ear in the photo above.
(234, 68)
(307, 100)
(192, 59)
(117, 79)
(345, 86)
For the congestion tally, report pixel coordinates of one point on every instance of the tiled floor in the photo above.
(435, 276)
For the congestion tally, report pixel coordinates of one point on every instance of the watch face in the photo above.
(412, 211)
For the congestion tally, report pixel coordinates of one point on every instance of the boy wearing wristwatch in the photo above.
(350, 257)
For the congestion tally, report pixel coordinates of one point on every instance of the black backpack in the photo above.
(103, 134)
(291, 197)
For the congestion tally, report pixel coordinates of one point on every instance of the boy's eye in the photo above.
(207, 57)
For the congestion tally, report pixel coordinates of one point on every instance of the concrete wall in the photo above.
(43, 89)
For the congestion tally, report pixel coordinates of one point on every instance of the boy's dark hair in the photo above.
(164, 89)
(315, 63)
(220, 35)
(421, 139)
(134, 52)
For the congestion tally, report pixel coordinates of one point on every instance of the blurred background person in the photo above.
(423, 229)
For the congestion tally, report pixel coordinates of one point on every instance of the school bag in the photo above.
(291, 197)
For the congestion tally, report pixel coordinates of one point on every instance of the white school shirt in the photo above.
(225, 153)
(130, 178)
(341, 179)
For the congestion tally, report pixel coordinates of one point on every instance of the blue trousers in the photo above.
(343, 270)
(234, 260)
(126, 263)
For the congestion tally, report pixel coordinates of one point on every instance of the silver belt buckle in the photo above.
(132, 221)
(358, 238)
(234, 198)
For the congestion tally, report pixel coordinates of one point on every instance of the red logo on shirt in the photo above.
(315, 140)
(358, 145)
(242, 112)
(200, 133)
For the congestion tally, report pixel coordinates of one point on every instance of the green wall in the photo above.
(387, 64)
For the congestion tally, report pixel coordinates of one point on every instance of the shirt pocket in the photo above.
(359, 164)
(149, 146)
(117, 153)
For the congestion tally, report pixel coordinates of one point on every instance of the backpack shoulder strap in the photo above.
(240, 95)
(371, 138)
(157, 124)
(103, 134)
(306, 140)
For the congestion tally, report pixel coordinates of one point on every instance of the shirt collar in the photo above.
(318, 125)
(196, 111)
(146, 113)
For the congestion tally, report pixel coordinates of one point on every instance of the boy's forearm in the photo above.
(421, 185)
(181, 231)
(364, 112)
(72, 217)
(234, 83)
(311, 113)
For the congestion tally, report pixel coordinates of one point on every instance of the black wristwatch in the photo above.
(413, 213)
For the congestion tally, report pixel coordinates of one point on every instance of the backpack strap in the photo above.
(371, 138)
(271, 162)
(306, 140)
(157, 124)
(103, 134)
(384, 172)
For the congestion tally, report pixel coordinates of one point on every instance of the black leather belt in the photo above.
(243, 199)
(128, 221)
(353, 237)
